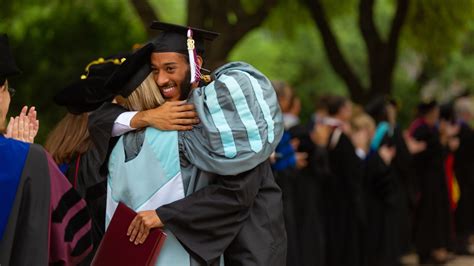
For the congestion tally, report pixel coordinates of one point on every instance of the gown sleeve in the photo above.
(208, 220)
(101, 122)
(241, 121)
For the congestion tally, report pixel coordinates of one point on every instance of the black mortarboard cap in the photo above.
(88, 93)
(173, 38)
(131, 73)
(8, 66)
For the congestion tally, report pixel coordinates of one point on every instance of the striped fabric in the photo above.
(70, 235)
(241, 122)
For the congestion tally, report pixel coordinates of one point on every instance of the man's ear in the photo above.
(199, 60)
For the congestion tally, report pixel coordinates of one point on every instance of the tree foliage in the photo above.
(53, 40)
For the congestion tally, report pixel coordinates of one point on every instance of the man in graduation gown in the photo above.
(232, 205)
(39, 211)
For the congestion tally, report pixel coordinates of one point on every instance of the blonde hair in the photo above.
(69, 138)
(146, 96)
(362, 121)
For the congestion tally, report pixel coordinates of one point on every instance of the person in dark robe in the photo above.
(464, 170)
(71, 146)
(238, 213)
(345, 208)
(308, 198)
(285, 166)
(387, 206)
(432, 221)
(43, 221)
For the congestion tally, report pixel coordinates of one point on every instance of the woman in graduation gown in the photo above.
(384, 194)
(228, 190)
(38, 205)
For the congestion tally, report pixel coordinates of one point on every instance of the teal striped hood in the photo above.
(241, 122)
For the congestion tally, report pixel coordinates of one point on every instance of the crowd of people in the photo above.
(360, 190)
(223, 165)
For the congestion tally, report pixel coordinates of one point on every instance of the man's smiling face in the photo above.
(172, 75)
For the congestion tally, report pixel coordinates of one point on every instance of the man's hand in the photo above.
(169, 116)
(23, 127)
(141, 225)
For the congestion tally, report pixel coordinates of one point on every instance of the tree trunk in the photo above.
(146, 13)
(214, 15)
(382, 55)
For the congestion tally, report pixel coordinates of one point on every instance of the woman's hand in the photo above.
(141, 225)
(23, 127)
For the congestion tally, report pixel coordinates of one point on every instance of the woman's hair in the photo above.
(69, 138)
(362, 121)
(146, 96)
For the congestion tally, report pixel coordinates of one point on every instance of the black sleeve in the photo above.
(379, 177)
(345, 163)
(101, 122)
(207, 221)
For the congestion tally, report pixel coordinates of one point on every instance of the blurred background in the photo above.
(410, 49)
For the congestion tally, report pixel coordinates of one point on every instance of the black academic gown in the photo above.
(404, 170)
(240, 217)
(88, 171)
(383, 212)
(84, 175)
(345, 207)
(308, 198)
(464, 170)
(286, 180)
(432, 228)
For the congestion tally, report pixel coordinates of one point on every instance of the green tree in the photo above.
(233, 18)
(54, 40)
(420, 18)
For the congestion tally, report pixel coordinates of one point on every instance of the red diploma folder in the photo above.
(116, 248)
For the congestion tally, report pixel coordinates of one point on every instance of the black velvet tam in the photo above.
(173, 38)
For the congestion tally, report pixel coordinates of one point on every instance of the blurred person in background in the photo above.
(344, 196)
(285, 165)
(464, 170)
(432, 218)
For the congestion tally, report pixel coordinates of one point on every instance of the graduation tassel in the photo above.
(195, 69)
